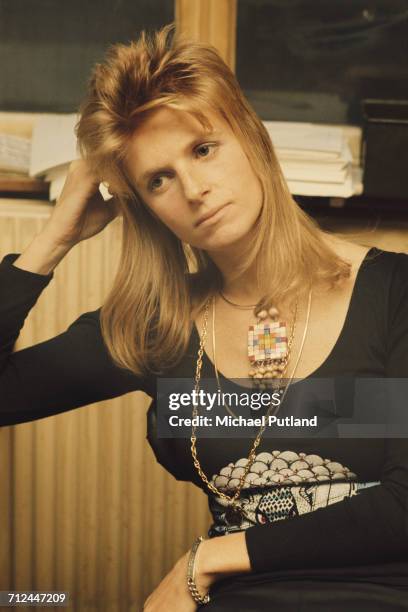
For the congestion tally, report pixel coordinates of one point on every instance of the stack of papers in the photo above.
(15, 152)
(317, 160)
(53, 148)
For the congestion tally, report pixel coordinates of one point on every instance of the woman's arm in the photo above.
(74, 368)
(369, 528)
(70, 370)
(42, 255)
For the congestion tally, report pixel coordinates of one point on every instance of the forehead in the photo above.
(165, 134)
(169, 121)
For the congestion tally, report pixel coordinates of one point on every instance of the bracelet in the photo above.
(201, 599)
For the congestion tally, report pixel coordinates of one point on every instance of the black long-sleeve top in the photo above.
(358, 527)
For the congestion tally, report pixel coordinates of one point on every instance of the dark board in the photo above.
(47, 47)
(315, 60)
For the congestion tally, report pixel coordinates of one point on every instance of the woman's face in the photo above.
(201, 185)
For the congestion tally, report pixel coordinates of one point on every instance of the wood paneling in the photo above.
(211, 21)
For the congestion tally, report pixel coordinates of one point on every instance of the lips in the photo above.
(210, 214)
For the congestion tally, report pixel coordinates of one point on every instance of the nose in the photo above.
(194, 184)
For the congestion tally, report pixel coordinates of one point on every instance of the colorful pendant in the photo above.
(267, 345)
(267, 341)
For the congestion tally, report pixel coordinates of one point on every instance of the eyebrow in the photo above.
(148, 174)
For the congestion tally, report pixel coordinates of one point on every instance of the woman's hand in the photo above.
(172, 594)
(216, 558)
(80, 211)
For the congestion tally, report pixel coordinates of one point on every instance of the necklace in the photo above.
(268, 345)
(234, 513)
(236, 305)
(281, 371)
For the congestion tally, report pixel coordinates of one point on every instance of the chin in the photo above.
(221, 240)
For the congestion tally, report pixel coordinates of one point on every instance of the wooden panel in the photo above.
(212, 21)
(20, 183)
(85, 506)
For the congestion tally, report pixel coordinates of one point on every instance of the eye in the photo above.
(204, 150)
(157, 182)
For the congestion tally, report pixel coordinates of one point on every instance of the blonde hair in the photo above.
(147, 317)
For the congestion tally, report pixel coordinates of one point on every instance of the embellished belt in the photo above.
(263, 505)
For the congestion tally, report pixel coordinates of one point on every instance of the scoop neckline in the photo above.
(230, 381)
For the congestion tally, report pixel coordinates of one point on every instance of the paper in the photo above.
(313, 173)
(352, 185)
(15, 152)
(53, 142)
(306, 137)
(317, 160)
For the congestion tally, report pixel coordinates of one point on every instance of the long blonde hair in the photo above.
(162, 283)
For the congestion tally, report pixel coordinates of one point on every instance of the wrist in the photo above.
(198, 584)
(204, 567)
(224, 556)
(50, 236)
(205, 572)
(42, 255)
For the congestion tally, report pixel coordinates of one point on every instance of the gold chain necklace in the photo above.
(234, 513)
(290, 342)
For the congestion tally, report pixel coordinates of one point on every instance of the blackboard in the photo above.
(315, 60)
(47, 47)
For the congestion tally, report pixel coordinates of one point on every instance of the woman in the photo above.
(213, 240)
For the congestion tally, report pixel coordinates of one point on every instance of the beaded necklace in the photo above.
(268, 347)
(266, 370)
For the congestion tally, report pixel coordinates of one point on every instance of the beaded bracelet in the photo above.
(201, 599)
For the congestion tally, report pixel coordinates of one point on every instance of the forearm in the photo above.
(42, 255)
(224, 555)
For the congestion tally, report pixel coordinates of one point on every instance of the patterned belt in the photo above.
(263, 505)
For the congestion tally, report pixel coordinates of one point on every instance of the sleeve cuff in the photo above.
(12, 276)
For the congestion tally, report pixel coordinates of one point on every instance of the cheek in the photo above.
(241, 170)
(171, 213)
(248, 184)
(254, 186)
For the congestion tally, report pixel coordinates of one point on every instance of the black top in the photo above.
(315, 507)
